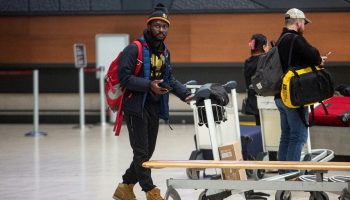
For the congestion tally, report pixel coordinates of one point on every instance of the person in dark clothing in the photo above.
(258, 45)
(146, 100)
(294, 132)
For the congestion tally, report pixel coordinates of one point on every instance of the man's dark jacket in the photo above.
(303, 54)
(139, 86)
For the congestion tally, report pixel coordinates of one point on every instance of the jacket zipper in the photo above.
(131, 124)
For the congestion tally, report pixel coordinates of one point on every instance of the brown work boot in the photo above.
(124, 192)
(154, 194)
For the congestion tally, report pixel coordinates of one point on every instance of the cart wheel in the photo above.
(318, 196)
(283, 195)
(203, 195)
(260, 173)
(192, 174)
(344, 195)
(250, 172)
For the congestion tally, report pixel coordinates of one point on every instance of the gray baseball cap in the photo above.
(295, 13)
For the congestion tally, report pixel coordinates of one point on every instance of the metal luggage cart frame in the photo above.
(220, 189)
(316, 188)
(215, 129)
(229, 112)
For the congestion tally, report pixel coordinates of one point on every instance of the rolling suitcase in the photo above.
(251, 142)
(338, 112)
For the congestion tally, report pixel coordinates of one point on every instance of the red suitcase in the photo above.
(338, 112)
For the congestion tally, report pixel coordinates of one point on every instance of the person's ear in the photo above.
(266, 48)
(300, 22)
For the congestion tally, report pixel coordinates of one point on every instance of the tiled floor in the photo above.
(70, 164)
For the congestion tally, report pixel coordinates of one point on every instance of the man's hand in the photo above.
(189, 98)
(324, 58)
(156, 89)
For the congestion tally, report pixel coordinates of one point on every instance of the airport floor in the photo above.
(74, 164)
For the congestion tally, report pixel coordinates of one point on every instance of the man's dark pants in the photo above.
(143, 136)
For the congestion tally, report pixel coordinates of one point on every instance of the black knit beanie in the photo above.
(159, 12)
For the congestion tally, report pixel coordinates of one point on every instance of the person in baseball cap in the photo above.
(297, 53)
(295, 13)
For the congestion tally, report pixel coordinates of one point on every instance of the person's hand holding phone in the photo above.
(325, 57)
(156, 88)
(189, 98)
(167, 88)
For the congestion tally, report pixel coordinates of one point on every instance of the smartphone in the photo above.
(167, 88)
(328, 53)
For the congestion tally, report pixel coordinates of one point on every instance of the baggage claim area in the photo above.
(59, 137)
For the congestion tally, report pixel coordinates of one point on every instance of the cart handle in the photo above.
(191, 82)
(230, 86)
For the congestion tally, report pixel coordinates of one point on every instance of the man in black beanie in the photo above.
(146, 100)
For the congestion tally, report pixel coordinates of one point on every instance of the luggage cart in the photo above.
(221, 189)
(214, 125)
(221, 124)
(227, 129)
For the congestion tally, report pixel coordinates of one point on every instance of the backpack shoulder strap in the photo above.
(290, 52)
(281, 38)
(291, 46)
(139, 57)
(145, 57)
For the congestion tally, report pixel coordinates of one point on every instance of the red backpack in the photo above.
(114, 92)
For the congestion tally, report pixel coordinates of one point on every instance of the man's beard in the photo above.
(300, 31)
(157, 39)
